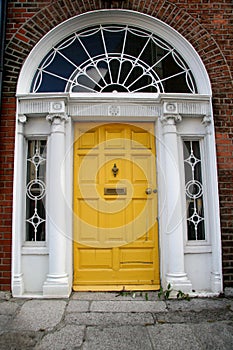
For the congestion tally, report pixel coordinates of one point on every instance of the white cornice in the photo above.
(110, 105)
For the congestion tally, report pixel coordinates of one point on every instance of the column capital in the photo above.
(170, 113)
(206, 120)
(170, 119)
(57, 118)
(22, 119)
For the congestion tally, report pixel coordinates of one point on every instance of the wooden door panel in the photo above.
(115, 226)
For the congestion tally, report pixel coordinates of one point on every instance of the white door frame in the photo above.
(173, 116)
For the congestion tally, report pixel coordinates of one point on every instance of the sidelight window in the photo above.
(194, 191)
(36, 191)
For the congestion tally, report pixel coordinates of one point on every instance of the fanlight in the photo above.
(109, 58)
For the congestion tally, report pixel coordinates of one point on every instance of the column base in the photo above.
(179, 281)
(56, 286)
(17, 285)
(216, 282)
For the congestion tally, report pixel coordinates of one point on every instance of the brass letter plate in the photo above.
(115, 191)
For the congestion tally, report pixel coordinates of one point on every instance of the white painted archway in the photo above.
(136, 19)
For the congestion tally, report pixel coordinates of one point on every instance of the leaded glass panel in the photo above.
(194, 191)
(36, 190)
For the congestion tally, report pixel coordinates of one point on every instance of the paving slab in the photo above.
(4, 319)
(103, 321)
(128, 306)
(122, 337)
(78, 306)
(173, 336)
(194, 316)
(68, 337)
(197, 304)
(5, 295)
(8, 307)
(18, 340)
(109, 319)
(217, 335)
(37, 315)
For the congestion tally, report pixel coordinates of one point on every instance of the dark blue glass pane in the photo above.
(135, 44)
(177, 84)
(75, 53)
(51, 84)
(60, 66)
(114, 41)
(93, 44)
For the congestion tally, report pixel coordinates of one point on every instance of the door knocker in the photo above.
(115, 170)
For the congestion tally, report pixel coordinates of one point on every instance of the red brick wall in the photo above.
(206, 24)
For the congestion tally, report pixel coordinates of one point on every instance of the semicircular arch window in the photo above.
(109, 58)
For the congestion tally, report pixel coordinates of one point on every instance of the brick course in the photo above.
(207, 25)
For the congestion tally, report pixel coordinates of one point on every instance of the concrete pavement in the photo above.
(108, 321)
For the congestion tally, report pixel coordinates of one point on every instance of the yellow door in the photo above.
(115, 207)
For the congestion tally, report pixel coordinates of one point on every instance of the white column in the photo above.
(56, 284)
(18, 212)
(173, 227)
(213, 208)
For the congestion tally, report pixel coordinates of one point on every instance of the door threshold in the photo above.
(114, 288)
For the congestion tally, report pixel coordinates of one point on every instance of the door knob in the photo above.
(149, 190)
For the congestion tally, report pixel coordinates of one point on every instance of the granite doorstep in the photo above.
(109, 319)
(128, 306)
(115, 296)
